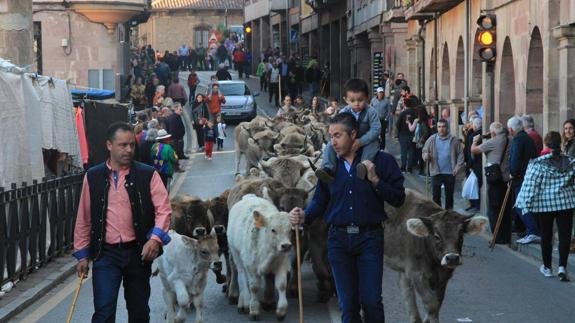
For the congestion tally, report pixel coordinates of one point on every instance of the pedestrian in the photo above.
(210, 135)
(356, 96)
(163, 72)
(300, 105)
(405, 136)
(221, 133)
(522, 151)
(200, 115)
(315, 105)
(164, 157)
(222, 74)
(138, 95)
(239, 61)
(421, 133)
(177, 93)
(313, 76)
(399, 84)
(215, 99)
(247, 62)
(183, 53)
(145, 151)
(159, 96)
(355, 243)
(177, 130)
(261, 73)
(569, 138)
(529, 127)
(496, 150)
(193, 82)
(105, 233)
(381, 104)
(333, 107)
(548, 192)
(476, 163)
(286, 108)
(444, 154)
(150, 91)
(274, 78)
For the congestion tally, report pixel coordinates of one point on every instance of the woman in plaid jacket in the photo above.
(548, 190)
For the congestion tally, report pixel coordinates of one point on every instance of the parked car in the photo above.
(240, 103)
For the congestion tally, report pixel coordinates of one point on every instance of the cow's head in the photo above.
(444, 232)
(274, 229)
(190, 217)
(219, 210)
(206, 249)
(285, 199)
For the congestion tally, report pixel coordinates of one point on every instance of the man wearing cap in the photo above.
(382, 105)
(122, 222)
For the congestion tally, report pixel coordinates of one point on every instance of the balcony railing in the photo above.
(36, 224)
(419, 8)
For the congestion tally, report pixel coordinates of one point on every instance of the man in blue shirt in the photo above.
(354, 210)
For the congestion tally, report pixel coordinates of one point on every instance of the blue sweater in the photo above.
(350, 200)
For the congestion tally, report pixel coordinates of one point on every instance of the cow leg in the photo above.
(228, 271)
(238, 159)
(430, 299)
(268, 303)
(183, 299)
(199, 305)
(233, 287)
(281, 285)
(170, 300)
(408, 292)
(254, 284)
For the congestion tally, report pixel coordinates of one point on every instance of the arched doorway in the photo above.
(445, 93)
(477, 72)
(506, 83)
(534, 103)
(460, 70)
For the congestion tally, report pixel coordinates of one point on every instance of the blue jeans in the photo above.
(357, 265)
(407, 147)
(528, 219)
(113, 267)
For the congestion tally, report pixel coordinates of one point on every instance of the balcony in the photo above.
(418, 9)
(110, 13)
(395, 12)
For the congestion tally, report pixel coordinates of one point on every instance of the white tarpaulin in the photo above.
(34, 114)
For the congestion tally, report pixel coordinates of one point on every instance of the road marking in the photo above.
(53, 301)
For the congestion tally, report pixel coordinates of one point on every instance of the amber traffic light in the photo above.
(486, 38)
(247, 29)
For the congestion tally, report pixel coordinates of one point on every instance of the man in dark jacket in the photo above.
(177, 130)
(222, 74)
(162, 71)
(522, 151)
(405, 136)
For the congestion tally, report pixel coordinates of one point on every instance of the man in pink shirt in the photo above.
(122, 223)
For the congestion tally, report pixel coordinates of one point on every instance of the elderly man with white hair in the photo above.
(529, 127)
(522, 151)
(496, 150)
(474, 160)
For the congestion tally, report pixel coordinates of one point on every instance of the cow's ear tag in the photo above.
(258, 220)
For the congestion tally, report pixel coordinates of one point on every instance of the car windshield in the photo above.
(237, 89)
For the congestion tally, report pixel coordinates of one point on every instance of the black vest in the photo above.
(143, 212)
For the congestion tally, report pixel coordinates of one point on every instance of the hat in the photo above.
(380, 89)
(163, 134)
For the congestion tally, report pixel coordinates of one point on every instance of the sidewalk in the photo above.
(531, 250)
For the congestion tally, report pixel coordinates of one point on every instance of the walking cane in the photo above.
(500, 218)
(298, 268)
(71, 311)
(427, 180)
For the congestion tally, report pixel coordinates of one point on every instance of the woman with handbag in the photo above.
(496, 151)
(200, 115)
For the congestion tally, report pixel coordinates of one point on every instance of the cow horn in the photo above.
(267, 125)
(318, 157)
(312, 189)
(312, 165)
(210, 217)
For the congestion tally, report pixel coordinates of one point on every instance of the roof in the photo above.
(198, 4)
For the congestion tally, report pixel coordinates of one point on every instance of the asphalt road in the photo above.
(499, 286)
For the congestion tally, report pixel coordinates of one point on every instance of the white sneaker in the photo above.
(528, 239)
(547, 272)
(562, 274)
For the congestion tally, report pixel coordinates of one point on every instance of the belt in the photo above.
(353, 229)
(122, 245)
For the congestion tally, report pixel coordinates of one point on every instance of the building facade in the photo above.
(534, 68)
(174, 23)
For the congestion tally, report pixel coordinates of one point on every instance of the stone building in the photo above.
(85, 42)
(534, 70)
(173, 23)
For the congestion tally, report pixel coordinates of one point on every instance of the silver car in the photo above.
(240, 103)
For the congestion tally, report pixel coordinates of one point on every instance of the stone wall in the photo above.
(92, 47)
(16, 31)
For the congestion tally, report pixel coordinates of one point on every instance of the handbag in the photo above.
(493, 174)
(470, 189)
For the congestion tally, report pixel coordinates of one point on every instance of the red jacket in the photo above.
(193, 80)
(215, 102)
(239, 56)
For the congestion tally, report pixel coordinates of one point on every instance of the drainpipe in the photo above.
(435, 31)
(466, 59)
(422, 60)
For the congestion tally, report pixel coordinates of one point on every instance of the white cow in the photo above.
(259, 242)
(183, 269)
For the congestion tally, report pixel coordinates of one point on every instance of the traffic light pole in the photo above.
(489, 91)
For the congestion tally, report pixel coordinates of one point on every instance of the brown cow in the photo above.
(423, 243)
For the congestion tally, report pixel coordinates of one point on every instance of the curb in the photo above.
(31, 295)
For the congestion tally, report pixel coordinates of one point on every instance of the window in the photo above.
(102, 79)
(201, 38)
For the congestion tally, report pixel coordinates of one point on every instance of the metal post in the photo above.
(466, 59)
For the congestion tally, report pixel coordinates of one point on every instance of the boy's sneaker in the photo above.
(547, 272)
(209, 158)
(562, 273)
(531, 238)
(325, 175)
(361, 171)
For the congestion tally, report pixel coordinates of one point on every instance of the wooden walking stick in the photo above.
(71, 311)
(500, 218)
(427, 180)
(298, 268)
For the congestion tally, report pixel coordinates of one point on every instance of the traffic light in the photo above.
(247, 29)
(486, 39)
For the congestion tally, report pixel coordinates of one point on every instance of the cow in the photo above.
(284, 169)
(294, 144)
(284, 198)
(259, 241)
(190, 216)
(218, 206)
(423, 243)
(183, 270)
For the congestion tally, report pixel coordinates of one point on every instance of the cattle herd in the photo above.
(248, 225)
